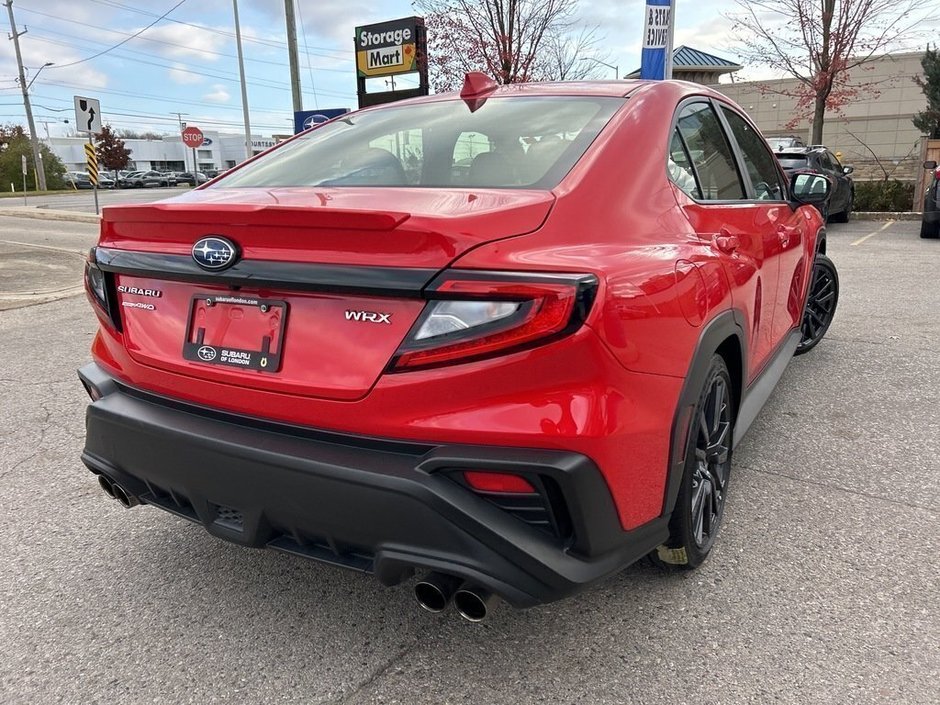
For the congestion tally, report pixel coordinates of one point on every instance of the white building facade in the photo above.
(219, 151)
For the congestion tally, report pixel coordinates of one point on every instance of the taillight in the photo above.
(98, 289)
(473, 315)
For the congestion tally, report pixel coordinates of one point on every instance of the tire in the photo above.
(700, 504)
(929, 230)
(822, 298)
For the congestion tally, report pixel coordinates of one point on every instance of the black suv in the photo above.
(820, 160)
(930, 221)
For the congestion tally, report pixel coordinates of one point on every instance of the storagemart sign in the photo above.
(388, 48)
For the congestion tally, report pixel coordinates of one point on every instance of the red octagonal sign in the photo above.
(193, 137)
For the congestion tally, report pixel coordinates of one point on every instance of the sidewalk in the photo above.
(48, 214)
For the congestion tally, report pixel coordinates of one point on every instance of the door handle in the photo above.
(785, 233)
(726, 242)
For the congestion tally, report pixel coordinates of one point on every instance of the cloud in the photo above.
(178, 41)
(183, 75)
(219, 94)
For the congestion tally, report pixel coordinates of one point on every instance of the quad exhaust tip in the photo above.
(435, 590)
(115, 491)
(474, 602)
(124, 497)
(106, 485)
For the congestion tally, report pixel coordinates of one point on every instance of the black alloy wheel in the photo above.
(821, 301)
(700, 504)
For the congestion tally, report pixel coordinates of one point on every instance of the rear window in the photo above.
(518, 142)
(793, 161)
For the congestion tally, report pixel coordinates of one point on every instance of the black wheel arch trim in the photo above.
(727, 324)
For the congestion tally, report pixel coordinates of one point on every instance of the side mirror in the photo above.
(809, 189)
(848, 170)
(930, 165)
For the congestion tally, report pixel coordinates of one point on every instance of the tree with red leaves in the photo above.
(513, 41)
(113, 154)
(821, 44)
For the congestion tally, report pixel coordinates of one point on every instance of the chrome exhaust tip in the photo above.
(473, 602)
(435, 590)
(122, 496)
(106, 485)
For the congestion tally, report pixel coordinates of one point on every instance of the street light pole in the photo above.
(604, 63)
(33, 137)
(38, 71)
(241, 73)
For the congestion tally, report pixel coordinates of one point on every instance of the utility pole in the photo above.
(241, 73)
(292, 55)
(33, 137)
(179, 116)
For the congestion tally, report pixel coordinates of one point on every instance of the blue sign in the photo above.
(206, 141)
(305, 119)
(657, 40)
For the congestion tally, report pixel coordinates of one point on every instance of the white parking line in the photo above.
(879, 230)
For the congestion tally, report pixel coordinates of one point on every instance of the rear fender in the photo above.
(725, 329)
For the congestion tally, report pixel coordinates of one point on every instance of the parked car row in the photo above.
(80, 180)
(139, 179)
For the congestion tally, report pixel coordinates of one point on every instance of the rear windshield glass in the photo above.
(792, 161)
(517, 142)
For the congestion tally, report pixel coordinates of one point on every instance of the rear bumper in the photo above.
(374, 505)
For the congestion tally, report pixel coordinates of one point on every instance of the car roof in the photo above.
(613, 89)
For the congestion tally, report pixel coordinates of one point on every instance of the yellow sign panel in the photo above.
(387, 61)
(91, 164)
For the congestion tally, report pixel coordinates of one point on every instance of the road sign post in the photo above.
(24, 179)
(91, 166)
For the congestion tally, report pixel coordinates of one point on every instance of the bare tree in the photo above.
(820, 43)
(514, 41)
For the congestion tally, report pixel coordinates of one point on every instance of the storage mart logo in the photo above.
(387, 48)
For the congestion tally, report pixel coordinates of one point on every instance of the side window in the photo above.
(836, 164)
(679, 166)
(758, 161)
(825, 163)
(710, 153)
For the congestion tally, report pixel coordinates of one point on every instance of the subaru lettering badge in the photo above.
(215, 253)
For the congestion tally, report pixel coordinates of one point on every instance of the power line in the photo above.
(101, 53)
(171, 44)
(337, 54)
(267, 83)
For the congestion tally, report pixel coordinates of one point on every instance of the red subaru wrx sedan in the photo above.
(507, 338)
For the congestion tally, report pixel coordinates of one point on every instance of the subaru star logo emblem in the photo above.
(214, 253)
(206, 353)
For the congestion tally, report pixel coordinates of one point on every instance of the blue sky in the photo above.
(187, 62)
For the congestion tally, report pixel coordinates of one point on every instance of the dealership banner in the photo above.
(657, 40)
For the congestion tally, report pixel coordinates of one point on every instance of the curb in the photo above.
(886, 215)
(49, 214)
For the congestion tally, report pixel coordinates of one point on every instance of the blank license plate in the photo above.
(236, 331)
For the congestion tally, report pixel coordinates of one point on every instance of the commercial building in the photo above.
(219, 151)
(873, 132)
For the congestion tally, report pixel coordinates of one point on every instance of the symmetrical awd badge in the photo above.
(215, 253)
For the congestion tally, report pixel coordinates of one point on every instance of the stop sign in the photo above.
(193, 137)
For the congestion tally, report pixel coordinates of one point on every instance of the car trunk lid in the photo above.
(325, 287)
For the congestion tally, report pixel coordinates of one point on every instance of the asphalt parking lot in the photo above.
(823, 589)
